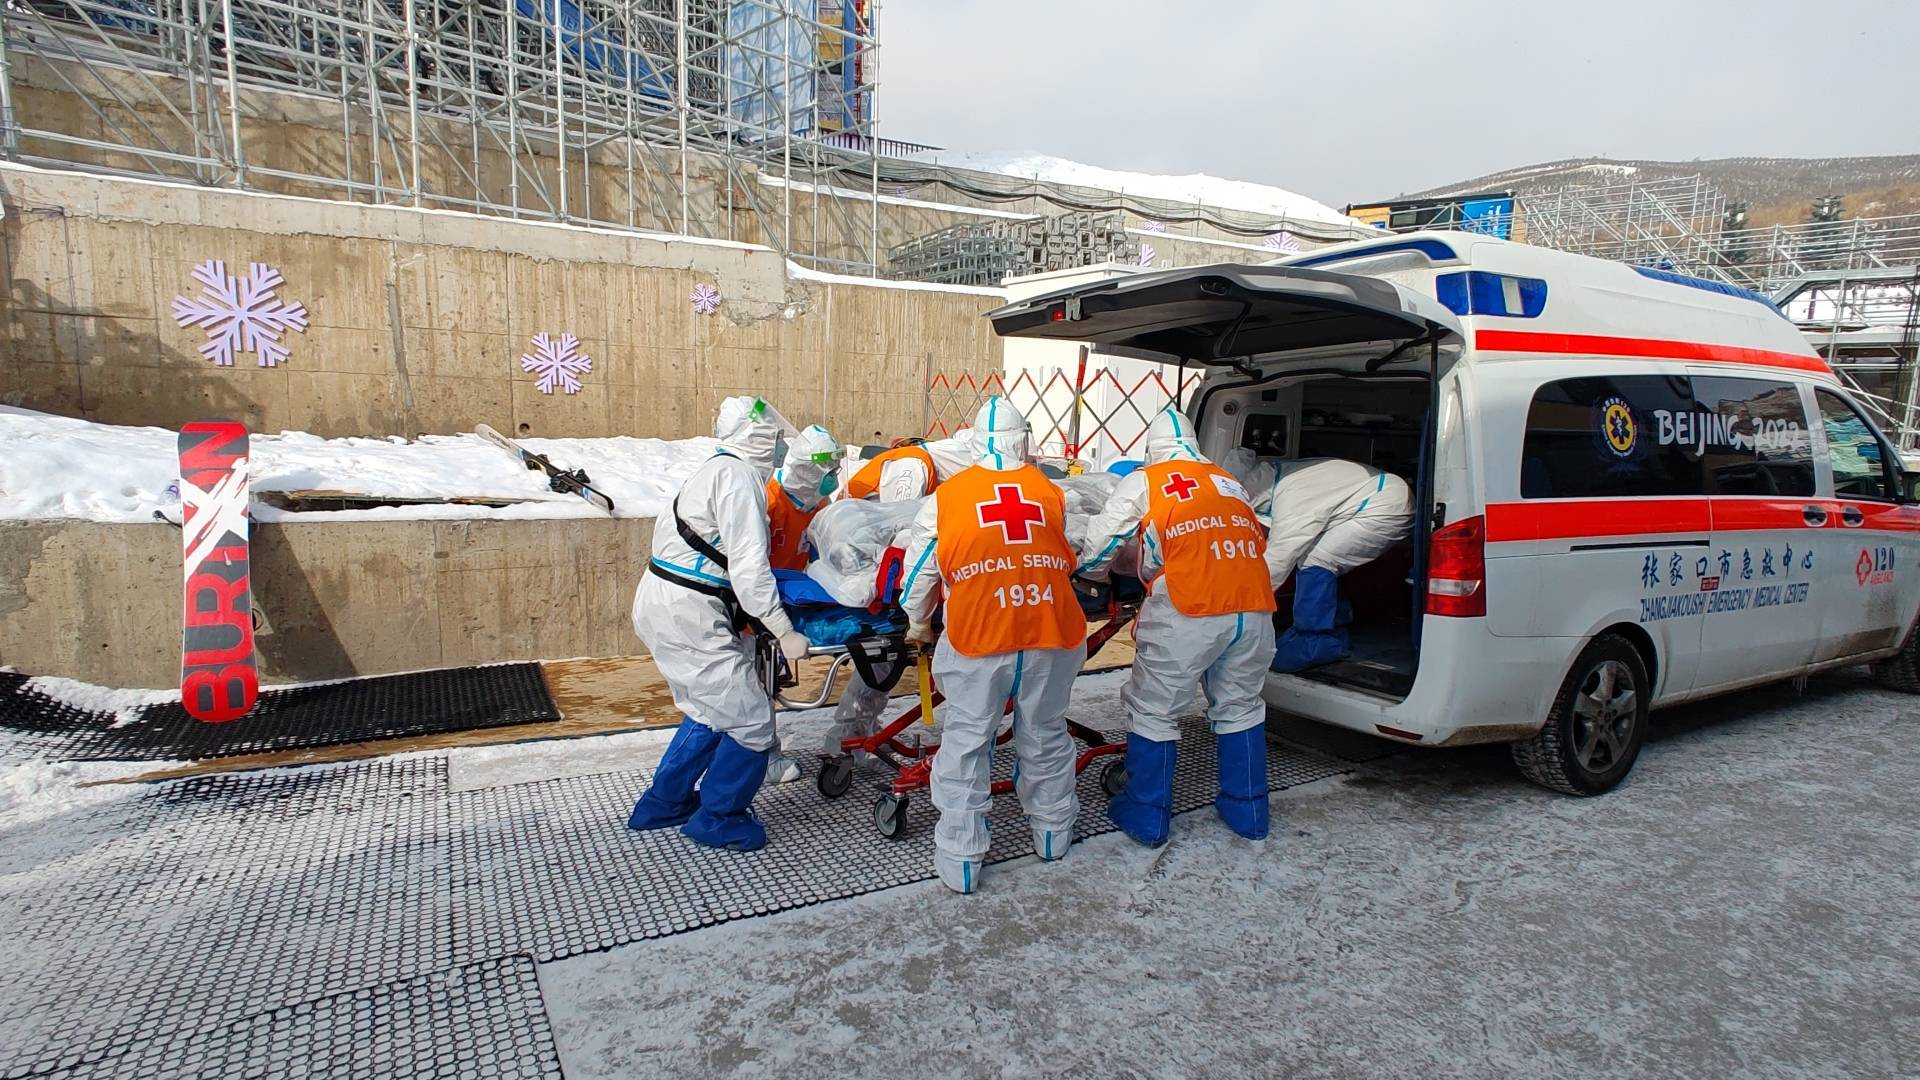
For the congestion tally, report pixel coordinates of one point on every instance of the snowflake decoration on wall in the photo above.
(1153, 226)
(559, 363)
(705, 298)
(1281, 241)
(1146, 254)
(240, 315)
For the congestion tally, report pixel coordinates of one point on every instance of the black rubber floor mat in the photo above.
(486, 1019)
(194, 904)
(301, 717)
(550, 869)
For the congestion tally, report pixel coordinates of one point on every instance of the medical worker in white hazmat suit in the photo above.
(1330, 516)
(1207, 618)
(993, 537)
(708, 578)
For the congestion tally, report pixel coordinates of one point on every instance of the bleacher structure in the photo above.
(649, 114)
(990, 252)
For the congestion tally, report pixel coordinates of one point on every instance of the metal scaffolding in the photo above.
(1867, 325)
(990, 252)
(653, 114)
(1682, 224)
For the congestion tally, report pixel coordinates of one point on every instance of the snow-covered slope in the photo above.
(59, 467)
(1190, 188)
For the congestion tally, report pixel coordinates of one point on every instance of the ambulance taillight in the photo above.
(1457, 569)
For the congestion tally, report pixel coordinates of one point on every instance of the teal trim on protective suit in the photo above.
(915, 573)
(1377, 488)
(691, 572)
(1095, 562)
(993, 408)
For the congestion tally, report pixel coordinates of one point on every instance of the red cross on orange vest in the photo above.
(1012, 512)
(1179, 486)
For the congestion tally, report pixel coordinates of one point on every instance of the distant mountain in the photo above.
(1781, 190)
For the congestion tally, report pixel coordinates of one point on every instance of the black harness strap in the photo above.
(736, 615)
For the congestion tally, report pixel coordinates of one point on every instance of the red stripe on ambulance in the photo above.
(1603, 519)
(1528, 341)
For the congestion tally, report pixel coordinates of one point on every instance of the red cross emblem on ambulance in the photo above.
(1179, 486)
(1010, 510)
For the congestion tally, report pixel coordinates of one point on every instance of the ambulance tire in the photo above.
(1901, 671)
(1553, 759)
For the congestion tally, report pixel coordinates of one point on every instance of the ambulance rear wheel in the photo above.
(1113, 779)
(836, 776)
(1901, 671)
(1597, 724)
(890, 815)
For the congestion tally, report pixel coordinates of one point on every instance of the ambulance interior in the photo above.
(1300, 363)
(1376, 419)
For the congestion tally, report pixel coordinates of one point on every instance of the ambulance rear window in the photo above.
(1598, 437)
(1631, 435)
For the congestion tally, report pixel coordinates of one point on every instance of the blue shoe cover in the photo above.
(1298, 651)
(1242, 802)
(670, 800)
(725, 818)
(1144, 811)
(1316, 600)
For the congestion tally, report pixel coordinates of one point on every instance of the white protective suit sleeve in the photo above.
(1116, 523)
(739, 506)
(923, 567)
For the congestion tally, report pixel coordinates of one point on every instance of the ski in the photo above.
(575, 482)
(218, 679)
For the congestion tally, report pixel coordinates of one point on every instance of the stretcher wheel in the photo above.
(1113, 778)
(890, 815)
(836, 776)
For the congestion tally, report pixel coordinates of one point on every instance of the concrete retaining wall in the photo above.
(418, 319)
(288, 134)
(101, 603)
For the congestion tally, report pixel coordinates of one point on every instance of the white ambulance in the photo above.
(1635, 488)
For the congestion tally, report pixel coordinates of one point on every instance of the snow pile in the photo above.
(59, 467)
(1190, 188)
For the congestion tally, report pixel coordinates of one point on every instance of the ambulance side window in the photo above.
(1603, 436)
(1752, 435)
(1858, 457)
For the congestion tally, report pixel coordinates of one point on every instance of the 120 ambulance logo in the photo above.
(1874, 567)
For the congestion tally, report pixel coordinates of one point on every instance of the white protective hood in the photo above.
(751, 429)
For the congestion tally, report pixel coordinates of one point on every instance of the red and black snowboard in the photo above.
(218, 680)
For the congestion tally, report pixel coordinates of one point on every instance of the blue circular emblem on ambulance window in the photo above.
(1619, 431)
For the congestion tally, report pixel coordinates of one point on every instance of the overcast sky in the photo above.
(1356, 100)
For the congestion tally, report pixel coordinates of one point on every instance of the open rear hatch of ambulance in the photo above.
(1269, 323)
(1228, 315)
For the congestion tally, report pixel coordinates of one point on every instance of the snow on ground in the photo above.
(1188, 188)
(1736, 908)
(1724, 913)
(125, 705)
(61, 467)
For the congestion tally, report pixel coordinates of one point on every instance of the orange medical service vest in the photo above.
(1211, 548)
(1003, 551)
(867, 480)
(786, 530)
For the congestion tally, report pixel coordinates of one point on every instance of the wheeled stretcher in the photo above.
(881, 658)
